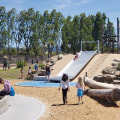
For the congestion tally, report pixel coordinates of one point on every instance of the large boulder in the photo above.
(60, 57)
(117, 73)
(42, 73)
(109, 70)
(115, 63)
(31, 76)
(117, 59)
(106, 78)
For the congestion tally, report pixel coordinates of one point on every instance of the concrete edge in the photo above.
(4, 104)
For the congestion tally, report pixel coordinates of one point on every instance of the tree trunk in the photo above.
(98, 85)
(110, 95)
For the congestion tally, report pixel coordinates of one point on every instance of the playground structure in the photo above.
(108, 92)
(111, 40)
(73, 68)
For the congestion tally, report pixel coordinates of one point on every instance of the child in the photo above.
(80, 86)
(48, 71)
(29, 71)
(8, 65)
(76, 56)
(21, 72)
(65, 87)
(36, 66)
(8, 89)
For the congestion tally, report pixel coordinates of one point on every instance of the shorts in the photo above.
(29, 73)
(5, 65)
(48, 74)
(79, 93)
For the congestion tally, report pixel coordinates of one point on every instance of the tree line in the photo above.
(32, 33)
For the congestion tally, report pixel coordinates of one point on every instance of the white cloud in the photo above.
(61, 4)
(59, 7)
(83, 2)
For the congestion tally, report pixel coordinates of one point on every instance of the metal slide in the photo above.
(73, 68)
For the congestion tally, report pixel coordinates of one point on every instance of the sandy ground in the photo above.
(92, 109)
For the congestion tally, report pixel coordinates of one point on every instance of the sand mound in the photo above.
(92, 109)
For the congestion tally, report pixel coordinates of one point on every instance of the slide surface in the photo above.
(73, 68)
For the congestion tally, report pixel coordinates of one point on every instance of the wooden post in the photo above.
(117, 35)
(102, 35)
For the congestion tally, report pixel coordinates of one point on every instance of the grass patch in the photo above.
(15, 73)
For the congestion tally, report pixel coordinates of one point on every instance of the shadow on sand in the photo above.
(62, 104)
(105, 103)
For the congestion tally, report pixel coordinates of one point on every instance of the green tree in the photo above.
(3, 31)
(75, 34)
(66, 34)
(10, 27)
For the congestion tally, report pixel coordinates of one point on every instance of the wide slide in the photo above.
(73, 68)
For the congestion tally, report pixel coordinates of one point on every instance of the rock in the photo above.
(42, 73)
(117, 59)
(117, 73)
(109, 70)
(106, 78)
(115, 63)
(53, 60)
(60, 57)
(32, 76)
(51, 64)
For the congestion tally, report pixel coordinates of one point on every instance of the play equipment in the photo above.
(108, 92)
(41, 84)
(73, 68)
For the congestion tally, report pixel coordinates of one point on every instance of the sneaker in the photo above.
(66, 101)
(82, 102)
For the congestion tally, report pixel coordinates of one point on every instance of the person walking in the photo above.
(80, 89)
(48, 71)
(8, 89)
(65, 83)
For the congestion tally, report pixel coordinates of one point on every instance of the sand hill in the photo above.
(92, 109)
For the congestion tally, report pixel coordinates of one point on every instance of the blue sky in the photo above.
(68, 7)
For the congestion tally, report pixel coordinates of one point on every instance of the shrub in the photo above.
(118, 67)
(13, 51)
(21, 64)
(25, 63)
(4, 51)
(42, 65)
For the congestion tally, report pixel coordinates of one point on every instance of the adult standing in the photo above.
(5, 63)
(32, 61)
(48, 71)
(65, 83)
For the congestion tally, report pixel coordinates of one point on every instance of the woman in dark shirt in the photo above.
(47, 71)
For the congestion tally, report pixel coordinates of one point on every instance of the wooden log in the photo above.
(110, 95)
(98, 85)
